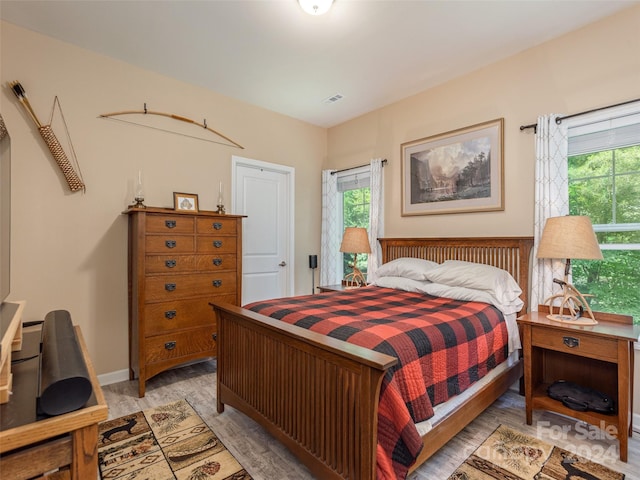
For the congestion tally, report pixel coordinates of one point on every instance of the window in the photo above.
(353, 186)
(604, 183)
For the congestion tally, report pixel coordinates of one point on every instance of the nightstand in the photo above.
(597, 356)
(332, 288)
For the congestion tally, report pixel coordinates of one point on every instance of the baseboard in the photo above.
(113, 377)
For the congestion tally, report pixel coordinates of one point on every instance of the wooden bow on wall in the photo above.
(180, 118)
(73, 179)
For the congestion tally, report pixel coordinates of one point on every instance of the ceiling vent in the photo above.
(333, 99)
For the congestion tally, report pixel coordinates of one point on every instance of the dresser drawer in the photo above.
(170, 263)
(175, 287)
(168, 244)
(216, 244)
(180, 344)
(214, 263)
(170, 224)
(169, 316)
(575, 343)
(217, 226)
(189, 263)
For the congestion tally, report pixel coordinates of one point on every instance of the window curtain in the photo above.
(376, 218)
(551, 200)
(331, 231)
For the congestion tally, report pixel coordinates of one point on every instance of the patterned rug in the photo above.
(511, 455)
(168, 442)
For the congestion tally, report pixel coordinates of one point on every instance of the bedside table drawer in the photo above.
(575, 343)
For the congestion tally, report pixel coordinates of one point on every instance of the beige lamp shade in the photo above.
(570, 237)
(355, 240)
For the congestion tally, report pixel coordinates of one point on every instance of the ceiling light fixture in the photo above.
(315, 7)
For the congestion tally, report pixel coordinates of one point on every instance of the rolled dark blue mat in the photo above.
(65, 385)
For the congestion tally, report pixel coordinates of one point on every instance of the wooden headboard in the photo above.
(509, 253)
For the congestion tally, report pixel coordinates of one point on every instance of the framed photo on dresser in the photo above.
(187, 202)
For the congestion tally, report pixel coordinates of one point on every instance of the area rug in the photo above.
(511, 455)
(164, 443)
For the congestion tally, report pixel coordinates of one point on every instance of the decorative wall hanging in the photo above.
(74, 180)
(454, 172)
(148, 113)
(3, 128)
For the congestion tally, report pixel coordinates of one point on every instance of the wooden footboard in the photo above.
(317, 395)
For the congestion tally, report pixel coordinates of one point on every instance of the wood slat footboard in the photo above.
(315, 394)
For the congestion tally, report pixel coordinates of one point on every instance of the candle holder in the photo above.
(220, 204)
(139, 195)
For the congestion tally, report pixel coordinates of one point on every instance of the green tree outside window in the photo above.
(606, 187)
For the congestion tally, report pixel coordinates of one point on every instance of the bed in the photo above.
(320, 396)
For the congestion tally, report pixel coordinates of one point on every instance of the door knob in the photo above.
(283, 264)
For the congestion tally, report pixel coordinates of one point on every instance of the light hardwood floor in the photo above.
(266, 459)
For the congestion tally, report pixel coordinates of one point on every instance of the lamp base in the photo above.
(572, 320)
(355, 279)
(573, 308)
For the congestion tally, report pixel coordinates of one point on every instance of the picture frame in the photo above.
(185, 202)
(459, 171)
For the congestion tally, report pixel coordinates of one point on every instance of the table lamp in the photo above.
(569, 237)
(355, 240)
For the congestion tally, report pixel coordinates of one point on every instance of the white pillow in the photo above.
(400, 283)
(406, 267)
(493, 280)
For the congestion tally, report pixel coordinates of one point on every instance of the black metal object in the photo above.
(65, 385)
(384, 161)
(313, 264)
(560, 119)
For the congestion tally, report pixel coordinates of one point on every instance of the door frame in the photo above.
(237, 161)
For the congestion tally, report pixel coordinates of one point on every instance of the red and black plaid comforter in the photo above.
(443, 346)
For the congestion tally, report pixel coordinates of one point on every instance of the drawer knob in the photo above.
(170, 223)
(170, 345)
(217, 226)
(169, 287)
(217, 283)
(170, 314)
(217, 262)
(571, 342)
(215, 337)
(217, 243)
(170, 263)
(170, 243)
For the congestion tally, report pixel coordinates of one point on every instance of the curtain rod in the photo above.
(560, 119)
(384, 161)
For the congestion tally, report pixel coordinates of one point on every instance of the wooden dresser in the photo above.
(179, 262)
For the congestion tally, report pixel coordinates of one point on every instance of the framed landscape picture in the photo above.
(454, 172)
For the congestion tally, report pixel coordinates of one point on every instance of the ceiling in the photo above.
(271, 54)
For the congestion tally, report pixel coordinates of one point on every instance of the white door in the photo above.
(264, 192)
